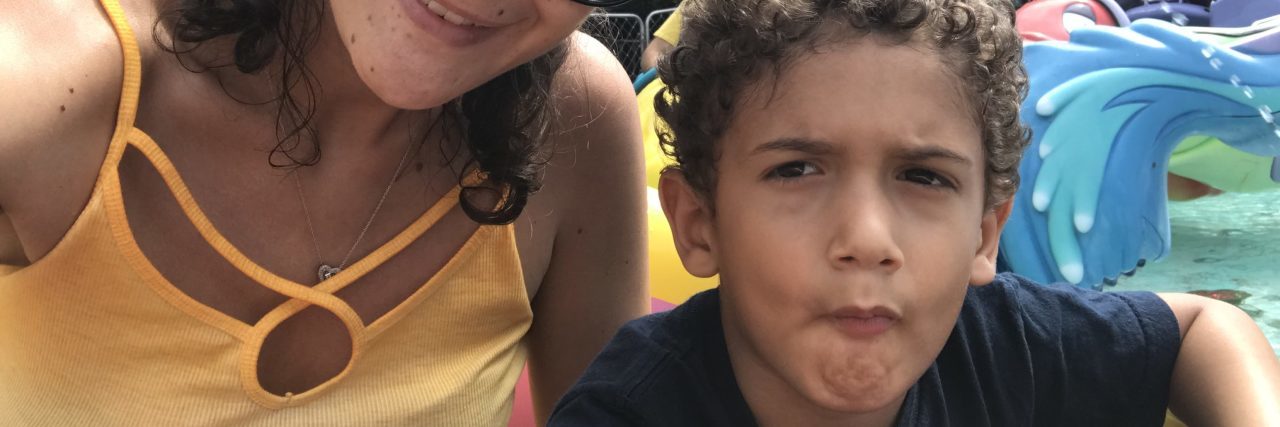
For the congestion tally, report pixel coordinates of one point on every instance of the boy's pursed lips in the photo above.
(863, 322)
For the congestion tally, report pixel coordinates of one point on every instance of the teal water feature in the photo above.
(1227, 242)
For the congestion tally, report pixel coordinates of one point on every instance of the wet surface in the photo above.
(1227, 245)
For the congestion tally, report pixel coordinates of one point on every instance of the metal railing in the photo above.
(624, 34)
(656, 18)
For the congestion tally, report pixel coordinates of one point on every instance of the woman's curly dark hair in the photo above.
(503, 121)
(727, 45)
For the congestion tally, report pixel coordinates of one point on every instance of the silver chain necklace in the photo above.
(326, 271)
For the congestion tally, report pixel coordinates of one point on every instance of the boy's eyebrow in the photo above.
(818, 148)
(803, 145)
(920, 154)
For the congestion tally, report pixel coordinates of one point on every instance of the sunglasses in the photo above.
(601, 3)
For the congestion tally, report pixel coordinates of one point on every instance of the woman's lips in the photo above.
(448, 15)
(447, 25)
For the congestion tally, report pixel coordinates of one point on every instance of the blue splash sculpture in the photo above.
(1106, 110)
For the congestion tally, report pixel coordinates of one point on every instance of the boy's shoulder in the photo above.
(1025, 353)
(1037, 309)
(669, 368)
(1017, 317)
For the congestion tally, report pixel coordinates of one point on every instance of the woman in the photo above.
(307, 211)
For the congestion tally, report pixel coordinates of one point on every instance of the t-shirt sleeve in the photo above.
(603, 396)
(670, 29)
(594, 406)
(1106, 356)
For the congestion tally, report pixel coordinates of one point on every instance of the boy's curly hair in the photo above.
(727, 45)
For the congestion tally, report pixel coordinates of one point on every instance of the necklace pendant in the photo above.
(325, 272)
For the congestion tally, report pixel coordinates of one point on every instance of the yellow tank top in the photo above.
(93, 335)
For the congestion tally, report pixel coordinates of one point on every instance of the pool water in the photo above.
(1230, 241)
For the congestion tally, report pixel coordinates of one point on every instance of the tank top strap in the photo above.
(132, 85)
(322, 295)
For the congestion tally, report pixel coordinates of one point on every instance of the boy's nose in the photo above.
(863, 238)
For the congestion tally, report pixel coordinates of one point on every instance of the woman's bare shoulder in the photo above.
(62, 74)
(595, 279)
(597, 130)
(592, 96)
(591, 77)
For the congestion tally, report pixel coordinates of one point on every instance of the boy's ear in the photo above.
(984, 261)
(690, 219)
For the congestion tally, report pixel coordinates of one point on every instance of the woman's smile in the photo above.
(451, 26)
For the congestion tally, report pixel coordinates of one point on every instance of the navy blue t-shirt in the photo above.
(1021, 354)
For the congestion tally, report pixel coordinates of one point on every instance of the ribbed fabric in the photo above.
(93, 334)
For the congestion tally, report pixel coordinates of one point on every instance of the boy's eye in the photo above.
(927, 178)
(791, 170)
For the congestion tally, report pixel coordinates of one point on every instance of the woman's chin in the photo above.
(400, 101)
(407, 98)
(407, 88)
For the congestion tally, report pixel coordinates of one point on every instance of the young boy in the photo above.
(846, 166)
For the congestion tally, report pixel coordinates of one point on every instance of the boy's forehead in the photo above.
(863, 89)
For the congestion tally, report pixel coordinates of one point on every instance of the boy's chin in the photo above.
(858, 404)
(855, 386)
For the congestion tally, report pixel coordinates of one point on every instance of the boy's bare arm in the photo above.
(1226, 374)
